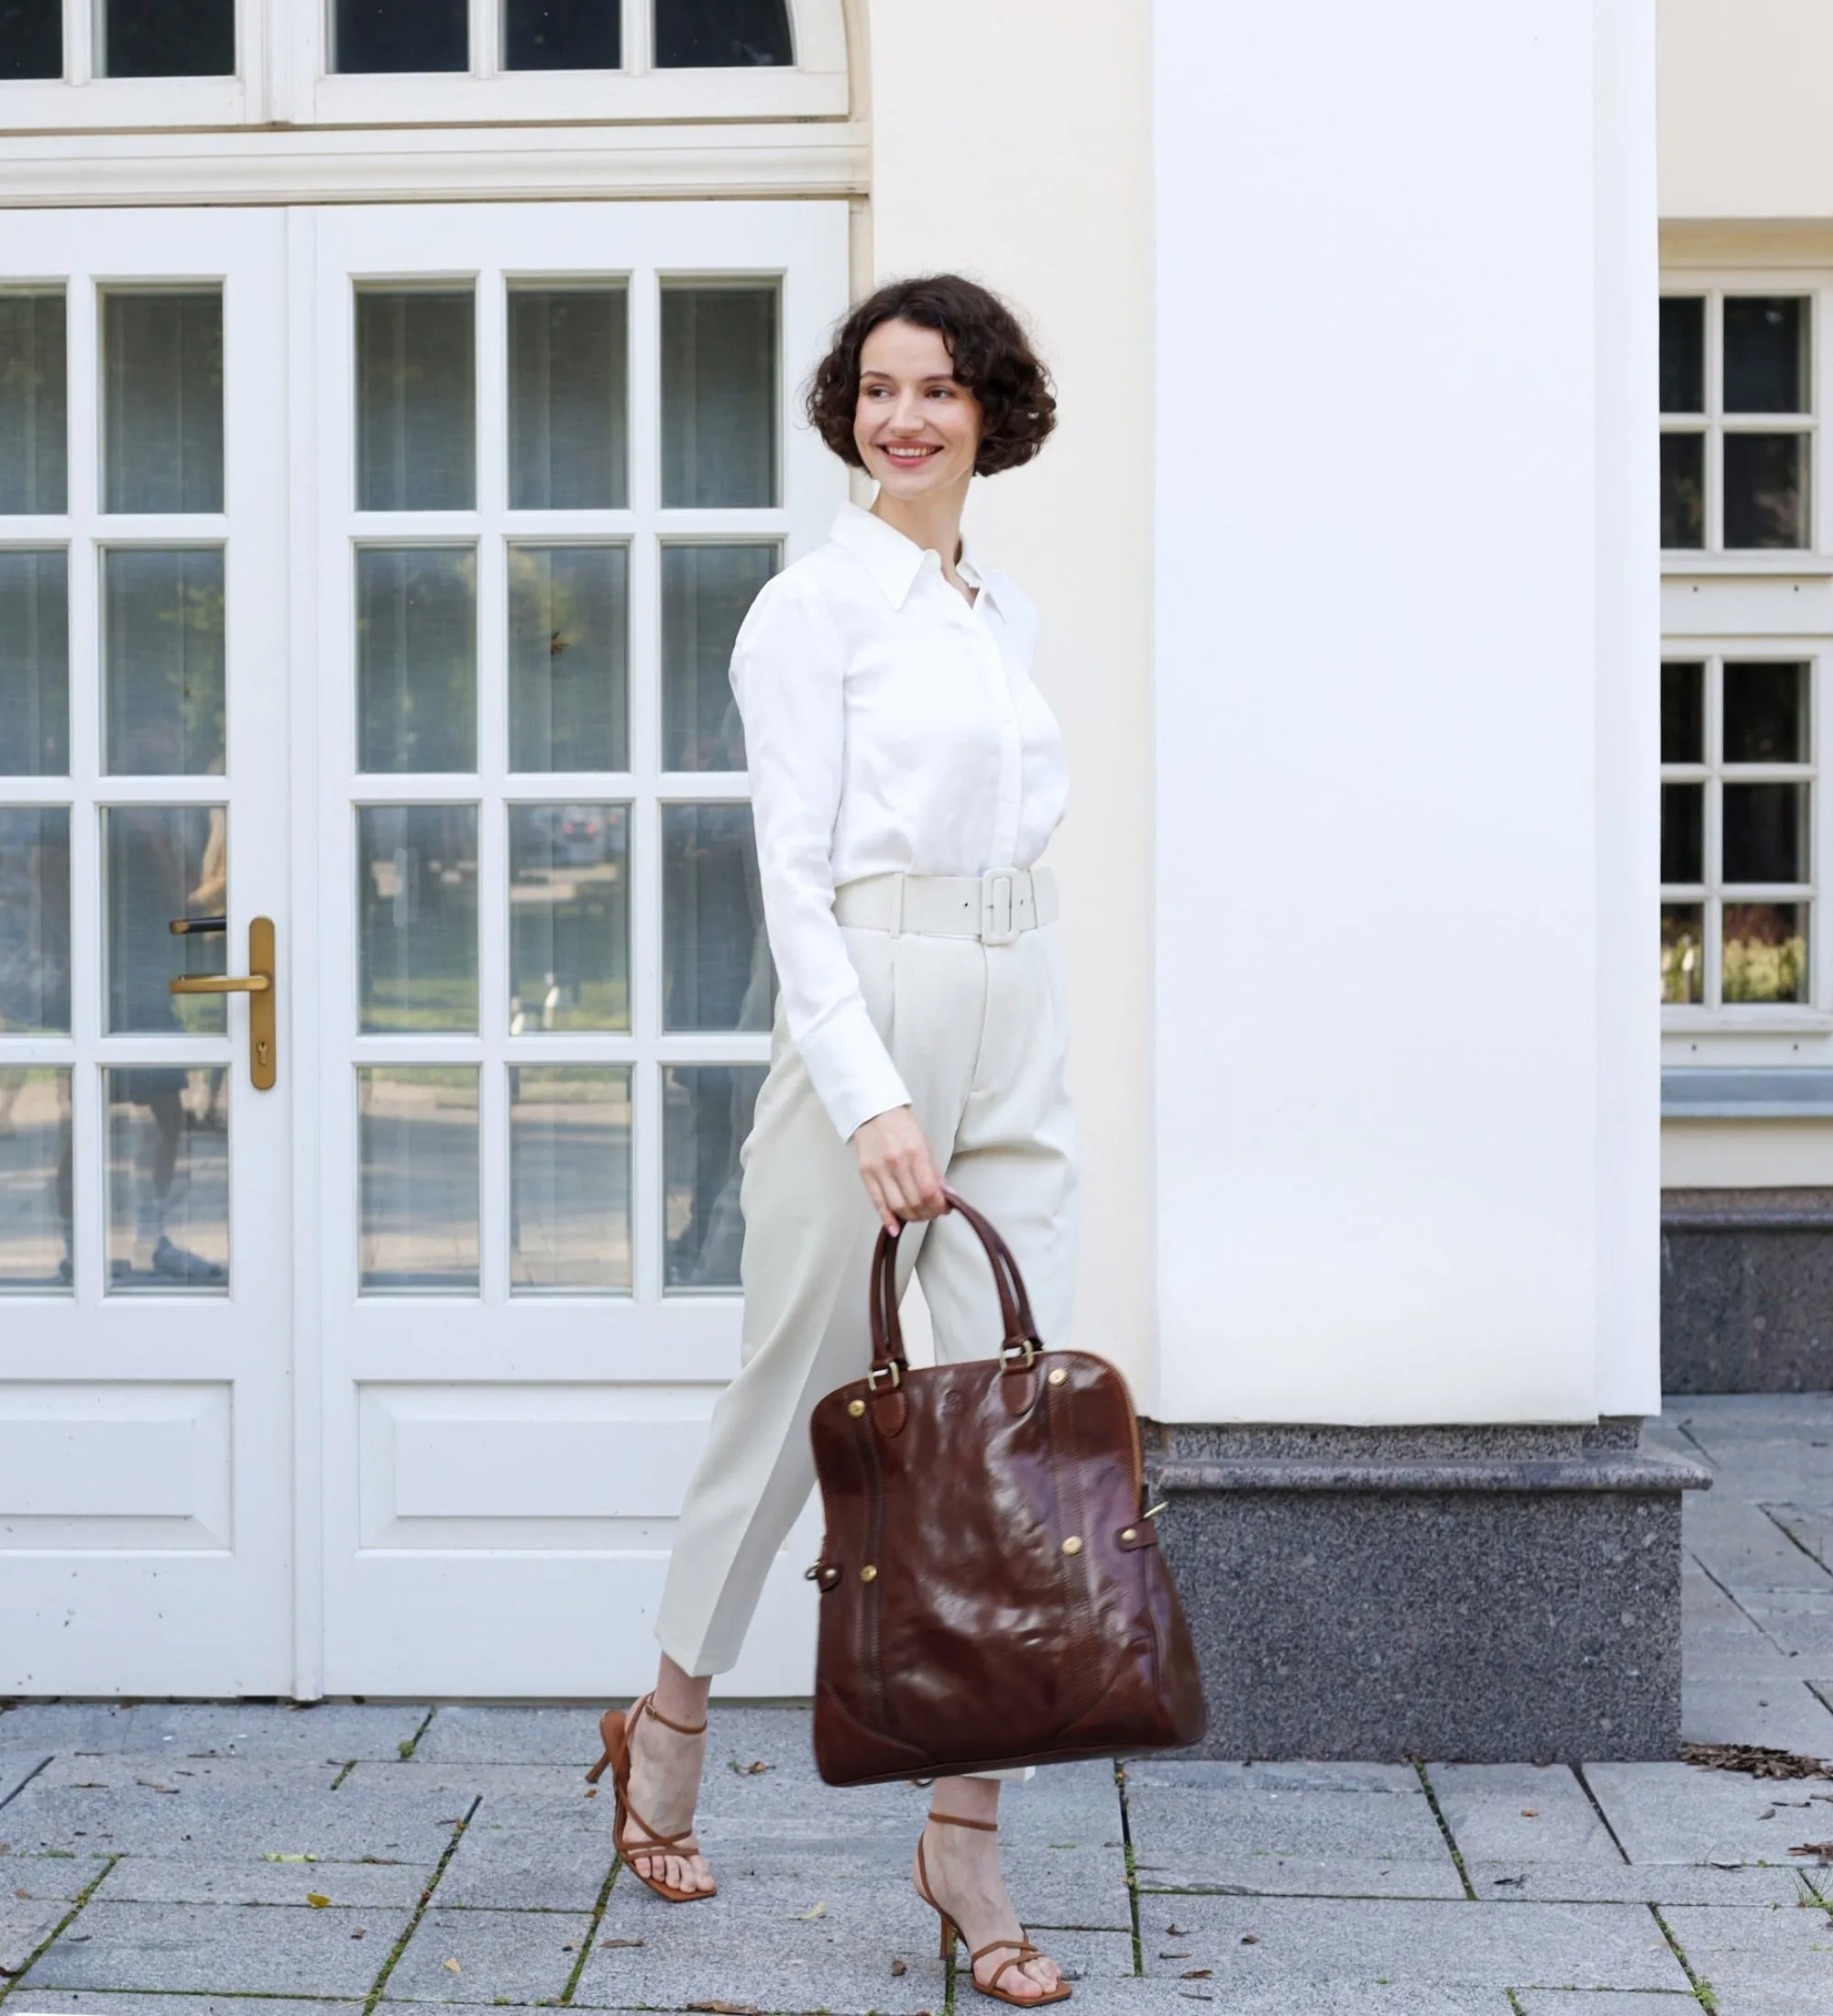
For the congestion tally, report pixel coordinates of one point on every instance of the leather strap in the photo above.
(955, 1820)
(647, 1707)
(888, 1361)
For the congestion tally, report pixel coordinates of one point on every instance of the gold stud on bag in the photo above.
(961, 1630)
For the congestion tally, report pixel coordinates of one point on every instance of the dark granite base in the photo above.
(1487, 1594)
(1747, 1291)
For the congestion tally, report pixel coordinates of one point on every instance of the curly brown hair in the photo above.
(990, 352)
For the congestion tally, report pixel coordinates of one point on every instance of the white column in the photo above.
(1405, 917)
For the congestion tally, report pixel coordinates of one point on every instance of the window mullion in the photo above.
(487, 37)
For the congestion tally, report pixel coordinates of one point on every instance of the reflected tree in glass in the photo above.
(1765, 490)
(34, 920)
(163, 400)
(569, 917)
(37, 1228)
(163, 662)
(416, 658)
(34, 422)
(417, 903)
(34, 664)
(1765, 952)
(1683, 954)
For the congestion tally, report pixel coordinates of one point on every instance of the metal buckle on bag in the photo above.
(1028, 1358)
(892, 1371)
(998, 906)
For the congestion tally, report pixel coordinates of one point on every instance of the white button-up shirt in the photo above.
(889, 727)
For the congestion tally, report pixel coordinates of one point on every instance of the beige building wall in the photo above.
(1013, 142)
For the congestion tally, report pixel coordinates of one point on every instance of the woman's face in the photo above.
(917, 429)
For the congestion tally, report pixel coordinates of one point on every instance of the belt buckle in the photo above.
(998, 906)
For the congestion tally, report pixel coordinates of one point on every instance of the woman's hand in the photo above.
(898, 1169)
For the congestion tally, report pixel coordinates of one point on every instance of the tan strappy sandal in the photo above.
(1022, 1949)
(617, 1730)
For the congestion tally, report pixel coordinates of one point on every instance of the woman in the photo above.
(904, 775)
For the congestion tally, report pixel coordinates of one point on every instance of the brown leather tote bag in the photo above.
(993, 1592)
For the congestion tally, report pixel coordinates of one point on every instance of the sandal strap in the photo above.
(1023, 1947)
(955, 1820)
(647, 1707)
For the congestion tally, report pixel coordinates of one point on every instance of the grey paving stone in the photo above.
(1461, 1944)
(311, 1732)
(1760, 1963)
(149, 1879)
(1521, 1812)
(17, 1765)
(176, 1775)
(518, 1958)
(1678, 1812)
(1810, 1526)
(523, 1868)
(1565, 2001)
(1615, 1882)
(1798, 1620)
(1212, 1831)
(25, 1924)
(546, 1783)
(1177, 1997)
(26, 1878)
(1745, 1549)
(467, 1734)
(1268, 1875)
(218, 1949)
(1204, 1774)
(240, 1826)
(1783, 1712)
(85, 2002)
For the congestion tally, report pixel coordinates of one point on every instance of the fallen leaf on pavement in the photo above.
(748, 1771)
(451, 1967)
(820, 1910)
(1530, 1812)
(619, 1942)
(726, 2009)
(26, 1894)
(289, 1859)
(897, 1966)
(1250, 1938)
(152, 1787)
(1196, 1974)
(1174, 1932)
(1756, 1759)
(317, 1899)
(1824, 1849)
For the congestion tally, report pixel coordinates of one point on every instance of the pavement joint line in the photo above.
(26, 1781)
(1457, 1854)
(1730, 1596)
(1702, 1988)
(410, 1744)
(1598, 1807)
(1794, 1543)
(413, 1925)
(1132, 1873)
(1515, 2002)
(337, 1782)
(9, 1982)
(1686, 1428)
(591, 1938)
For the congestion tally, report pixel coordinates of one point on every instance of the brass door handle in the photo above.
(257, 983)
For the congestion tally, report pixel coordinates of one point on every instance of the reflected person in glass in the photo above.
(902, 761)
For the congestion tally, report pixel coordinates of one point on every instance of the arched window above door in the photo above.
(127, 64)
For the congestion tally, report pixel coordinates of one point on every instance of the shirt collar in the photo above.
(894, 562)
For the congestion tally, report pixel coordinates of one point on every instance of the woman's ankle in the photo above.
(681, 1697)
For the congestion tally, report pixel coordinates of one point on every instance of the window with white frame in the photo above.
(1737, 836)
(1737, 421)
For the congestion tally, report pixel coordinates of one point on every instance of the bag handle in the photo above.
(1021, 1344)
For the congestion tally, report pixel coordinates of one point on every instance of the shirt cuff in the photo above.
(851, 1070)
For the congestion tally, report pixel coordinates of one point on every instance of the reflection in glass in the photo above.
(1683, 354)
(1683, 833)
(1765, 355)
(1765, 490)
(1682, 713)
(401, 35)
(567, 395)
(167, 1179)
(163, 400)
(1765, 833)
(1766, 714)
(34, 920)
(569, 657)
(1765, 956)
(416, 403)
(32, 40)
(706, 1115)
(562, 35)
(35, 1181)
(33, 451)
(416, 658)
(722, 34)
(162, 659)
(161, 861)
(569, 1178)
(167, 39)
(34, 664)
(1683, 490)
(418, 1143)
(569, 917)
(716, 964)
(706, 591)
(719, 396)
(1683, 954)
(417, 898)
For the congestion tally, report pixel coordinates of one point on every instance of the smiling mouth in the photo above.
(908, 456)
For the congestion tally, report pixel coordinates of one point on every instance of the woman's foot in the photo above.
(665, 1782)
(961, 1865)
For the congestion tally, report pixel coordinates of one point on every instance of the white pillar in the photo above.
(1405, 1065)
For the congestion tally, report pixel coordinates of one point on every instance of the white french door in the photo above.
(557, 465)
(387, 1379)
(145, 1430)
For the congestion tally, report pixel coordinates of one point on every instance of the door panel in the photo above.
(557, 463)
(145, 1498)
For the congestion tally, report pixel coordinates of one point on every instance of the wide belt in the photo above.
(994, 908)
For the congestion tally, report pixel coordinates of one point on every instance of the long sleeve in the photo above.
(788, 679)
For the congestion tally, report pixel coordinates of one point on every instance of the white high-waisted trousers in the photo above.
(978, 1033)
